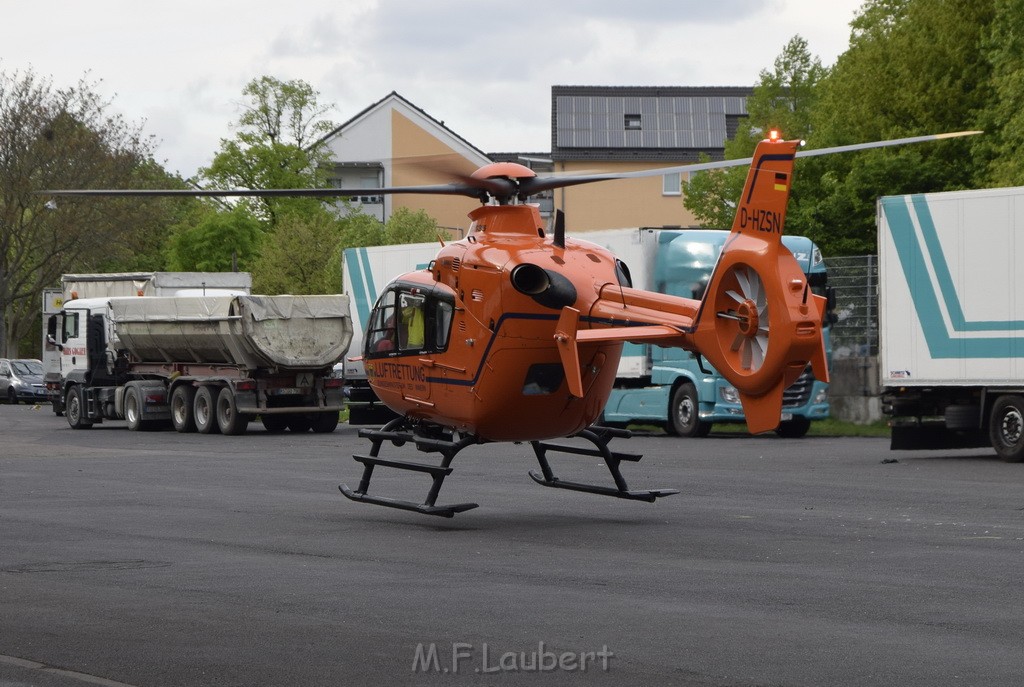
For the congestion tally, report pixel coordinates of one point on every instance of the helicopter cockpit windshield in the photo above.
(409, 319)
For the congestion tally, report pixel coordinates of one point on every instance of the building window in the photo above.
(671, 185)
(632, 122)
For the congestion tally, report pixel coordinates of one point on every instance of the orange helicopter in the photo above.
(514, 333)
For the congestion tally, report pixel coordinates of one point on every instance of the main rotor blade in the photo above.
(538, 184)
(461, 189)
(497, 187)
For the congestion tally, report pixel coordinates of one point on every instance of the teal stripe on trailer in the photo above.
(926, 300)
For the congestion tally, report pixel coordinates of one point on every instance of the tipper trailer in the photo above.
(204, 364)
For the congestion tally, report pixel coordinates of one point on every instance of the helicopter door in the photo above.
(408, 325)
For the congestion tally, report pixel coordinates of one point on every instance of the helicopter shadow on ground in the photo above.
(552, 522)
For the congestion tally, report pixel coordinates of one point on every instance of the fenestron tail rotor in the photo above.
(749, 315)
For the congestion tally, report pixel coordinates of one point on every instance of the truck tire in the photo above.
(683, 417)
(275, 424)
(204, 410)
(229, 420)
(1006, 428)
(325, 423)
(182, 408)
(133, 409)
(300, 423)
(74, 408)
(793, 429)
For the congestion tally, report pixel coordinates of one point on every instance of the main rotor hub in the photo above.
(504, 170)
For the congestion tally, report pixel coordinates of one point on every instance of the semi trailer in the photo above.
(202, 363)
(951, 319)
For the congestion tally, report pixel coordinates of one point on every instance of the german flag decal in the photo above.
(780, 181)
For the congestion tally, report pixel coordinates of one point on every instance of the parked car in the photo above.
(22, 380)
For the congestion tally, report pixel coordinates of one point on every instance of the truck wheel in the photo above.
(133, 409)
(204, 411)
(1006, 428)
(182, 408)
(793, 429)
(300, 423)
(229, 420)
(275, 424)
(325, 423)
(683, 418)
(74, 408)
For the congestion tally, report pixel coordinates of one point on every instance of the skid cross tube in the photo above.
(599, 437)
(398, 432)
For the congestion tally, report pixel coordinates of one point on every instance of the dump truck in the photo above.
(951, 319)
(117, 284)
(203, 363)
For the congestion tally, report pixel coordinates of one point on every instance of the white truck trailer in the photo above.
(204, 363)
(951, 319)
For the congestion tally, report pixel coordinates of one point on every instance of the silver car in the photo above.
(22, 380)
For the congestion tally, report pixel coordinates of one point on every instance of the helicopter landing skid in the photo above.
(398, 433)
(599, 437)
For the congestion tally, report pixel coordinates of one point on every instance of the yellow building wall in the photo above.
(421, 158)
(620, 203)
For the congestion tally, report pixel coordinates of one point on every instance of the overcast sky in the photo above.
(485, 68)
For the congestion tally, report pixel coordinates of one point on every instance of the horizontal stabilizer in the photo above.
(645, 333)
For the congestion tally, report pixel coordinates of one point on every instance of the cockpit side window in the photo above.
(381, 337)
(405, 320)
(411, 322)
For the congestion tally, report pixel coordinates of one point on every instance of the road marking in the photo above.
(71, 674)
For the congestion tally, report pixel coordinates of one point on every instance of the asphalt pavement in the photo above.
(156, 558)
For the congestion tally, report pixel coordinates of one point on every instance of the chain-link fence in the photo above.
(855, 281)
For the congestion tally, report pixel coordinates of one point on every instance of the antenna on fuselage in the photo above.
(558, 220)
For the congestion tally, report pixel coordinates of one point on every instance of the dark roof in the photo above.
(649, 123)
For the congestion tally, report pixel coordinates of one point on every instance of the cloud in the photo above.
(485, 68)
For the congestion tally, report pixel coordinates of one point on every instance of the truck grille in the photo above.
(799, 392)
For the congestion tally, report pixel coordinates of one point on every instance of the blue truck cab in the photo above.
(671, 387)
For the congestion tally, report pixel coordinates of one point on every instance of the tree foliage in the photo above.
(278, 144)
(300, 256)
(54, 138)
(214, 240)
(1004, 120)
(912, 67)
(783, 99)
(304, 252)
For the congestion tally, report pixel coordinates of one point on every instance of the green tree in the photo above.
(1004, 120)
(52, 138)
(783, 99)
(279, 144)
(913, 67)
(300, 256)
(214, 240)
